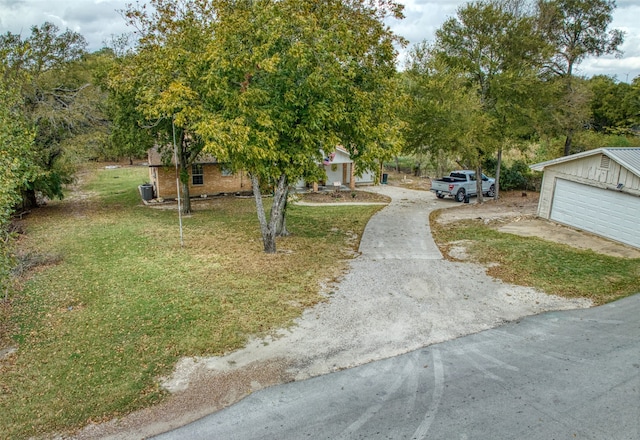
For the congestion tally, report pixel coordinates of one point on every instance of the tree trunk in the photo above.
(186, 198)
(277, 216)
(281, 227)
(569, 139)
(269, 229)
(29, 199)
(496, 196)
(479, 184)
(184, 174)
(567, 142)
(268, 239)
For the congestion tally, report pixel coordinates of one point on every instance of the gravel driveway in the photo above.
(399, 295)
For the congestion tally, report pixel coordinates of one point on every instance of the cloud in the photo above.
(98, 20)
(423, 18)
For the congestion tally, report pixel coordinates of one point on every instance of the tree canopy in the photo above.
(575, 29)
(17, 168)
(615, 106)
(578, 29)
(487, 58)
(56, 97)
(268, 86)
(519, 58)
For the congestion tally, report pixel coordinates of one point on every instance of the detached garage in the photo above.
(597, 191)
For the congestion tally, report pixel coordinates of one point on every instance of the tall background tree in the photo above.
(57, 99)
(615, 106)
(157, 87)
(494, 48)
(125, 137)
(444, 115)
(576, 29)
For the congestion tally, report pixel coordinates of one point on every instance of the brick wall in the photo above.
(164, 182)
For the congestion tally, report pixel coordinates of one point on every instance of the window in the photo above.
(197, 174)
(225, 171)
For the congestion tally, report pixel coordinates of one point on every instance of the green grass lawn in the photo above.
(121, 301)
(553, 268)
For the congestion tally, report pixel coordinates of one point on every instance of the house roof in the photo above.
(627, 157)
(339, 156)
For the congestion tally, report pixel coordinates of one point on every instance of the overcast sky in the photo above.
(98, 20)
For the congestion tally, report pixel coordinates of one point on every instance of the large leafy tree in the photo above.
(268, 86)
(576, 29)
(615, 106)
(495, 47)
(124, 137)
(56, 98)
(158, 88)
(286, 80)
(17, 168)
(444, 115)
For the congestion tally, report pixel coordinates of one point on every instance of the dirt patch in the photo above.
(511, 206)
(408, 181)
(342, 196)
(515, 213)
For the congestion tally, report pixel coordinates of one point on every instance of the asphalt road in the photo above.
(559, 375)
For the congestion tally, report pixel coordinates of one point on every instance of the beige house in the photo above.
(597, 191)
(207, 177)
(340, 170)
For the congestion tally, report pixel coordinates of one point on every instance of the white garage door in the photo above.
(604, 212)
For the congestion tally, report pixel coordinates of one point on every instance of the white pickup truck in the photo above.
(462, 183)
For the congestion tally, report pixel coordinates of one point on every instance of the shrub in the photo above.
(517, 176)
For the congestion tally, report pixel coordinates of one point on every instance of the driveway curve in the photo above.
(401, 231)
(399, 295)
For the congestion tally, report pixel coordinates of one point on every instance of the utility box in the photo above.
(147, 191)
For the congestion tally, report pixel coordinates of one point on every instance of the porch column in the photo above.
(344, 173)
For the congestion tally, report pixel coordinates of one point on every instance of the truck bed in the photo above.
(449, 179)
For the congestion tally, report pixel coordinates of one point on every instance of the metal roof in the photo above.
(627, 157)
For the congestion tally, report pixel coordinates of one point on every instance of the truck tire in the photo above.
(460, 195)
(492, 191)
